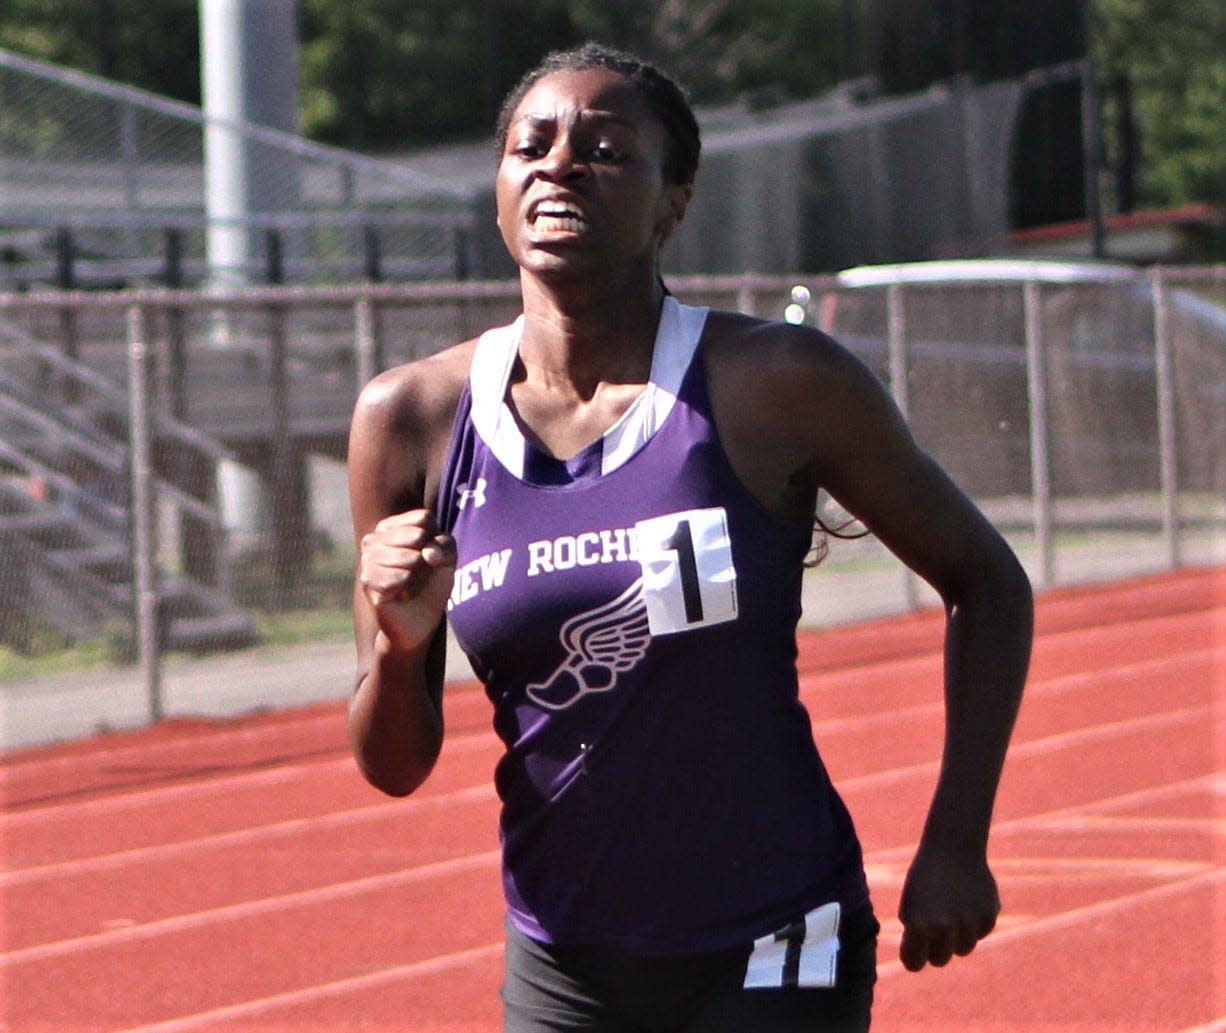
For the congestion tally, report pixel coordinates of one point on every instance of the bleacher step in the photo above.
(232, 630)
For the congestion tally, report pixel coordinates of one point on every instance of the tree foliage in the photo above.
(385, 73)
(378, 75)
(155, 46)
(1174, 53)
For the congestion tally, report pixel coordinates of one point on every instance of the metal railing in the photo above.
(1066, 407)
(103, 184)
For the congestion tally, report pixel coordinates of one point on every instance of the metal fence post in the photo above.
(1040, 457)
(745, 300)
(1168, 459)
(144, 544)
(366, 330)
(287, 473)
(66, 280)
(896, 333)
(372, 254)
(129, 146)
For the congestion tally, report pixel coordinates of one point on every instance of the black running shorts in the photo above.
(552, 989)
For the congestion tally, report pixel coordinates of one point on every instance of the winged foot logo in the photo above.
(600, 644)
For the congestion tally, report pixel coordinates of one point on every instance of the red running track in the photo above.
(239, 875)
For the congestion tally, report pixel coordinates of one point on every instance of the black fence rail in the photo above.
(1068, 399)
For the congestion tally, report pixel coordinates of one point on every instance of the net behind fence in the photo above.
(1073, 411)
(843, 182)
(111, 181)
(1086, 416)
(101, 185)
(1081, 407)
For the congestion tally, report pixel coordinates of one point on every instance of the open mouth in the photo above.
(557, 217)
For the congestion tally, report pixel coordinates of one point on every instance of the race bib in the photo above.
(689, 580)
(805, 953)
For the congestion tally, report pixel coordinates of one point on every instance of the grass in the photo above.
(276, 628)
(79, 656)
(289, 627)
(317, 607)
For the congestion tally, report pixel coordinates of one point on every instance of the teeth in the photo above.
(557, 216)
(568, 224)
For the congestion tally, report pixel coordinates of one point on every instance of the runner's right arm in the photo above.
(404, 573)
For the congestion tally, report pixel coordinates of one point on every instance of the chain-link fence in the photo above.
(103, 184)
(172, 468)
(1084, 407)
(881, 181)
(855, 178)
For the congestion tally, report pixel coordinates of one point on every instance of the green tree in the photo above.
(390, 74)
(155, 46)
(381, 74)
(1174, 53)
(723, 49)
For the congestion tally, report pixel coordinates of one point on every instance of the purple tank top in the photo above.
(632, 613)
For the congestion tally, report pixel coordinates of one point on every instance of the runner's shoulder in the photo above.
(774, 359)
(416, 396)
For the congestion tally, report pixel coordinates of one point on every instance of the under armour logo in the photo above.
(475, 494)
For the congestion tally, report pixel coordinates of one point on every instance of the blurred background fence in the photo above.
(171, 462)
(106, 185)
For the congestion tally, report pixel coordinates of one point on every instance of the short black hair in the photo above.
(667, 99)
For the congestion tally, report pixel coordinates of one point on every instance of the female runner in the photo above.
(611, 501)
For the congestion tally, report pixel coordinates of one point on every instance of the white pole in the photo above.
(144, 543)
(227, 202)
(1040, 457)
(248, 60)
(1168, 465)
(896, 330)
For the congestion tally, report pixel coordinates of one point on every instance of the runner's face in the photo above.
(580, 184)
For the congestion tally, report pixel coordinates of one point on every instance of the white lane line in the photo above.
(252, 834)
(392, 809)
(1079, 682)
(221, 734)
(211, 785)
(1084, 914)
(462, 958)
(219, 731)
(1039, 747)
(247, 909)
(1047, 744)
(274, 903)
(481, 738)
(130, 798)
(1064, 870)
(308, 994)
(1043, 820)
(141, 752)
(1064, 817)
(1119, 825)
(833, 679)
(1216, 1026)
(293, 998)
